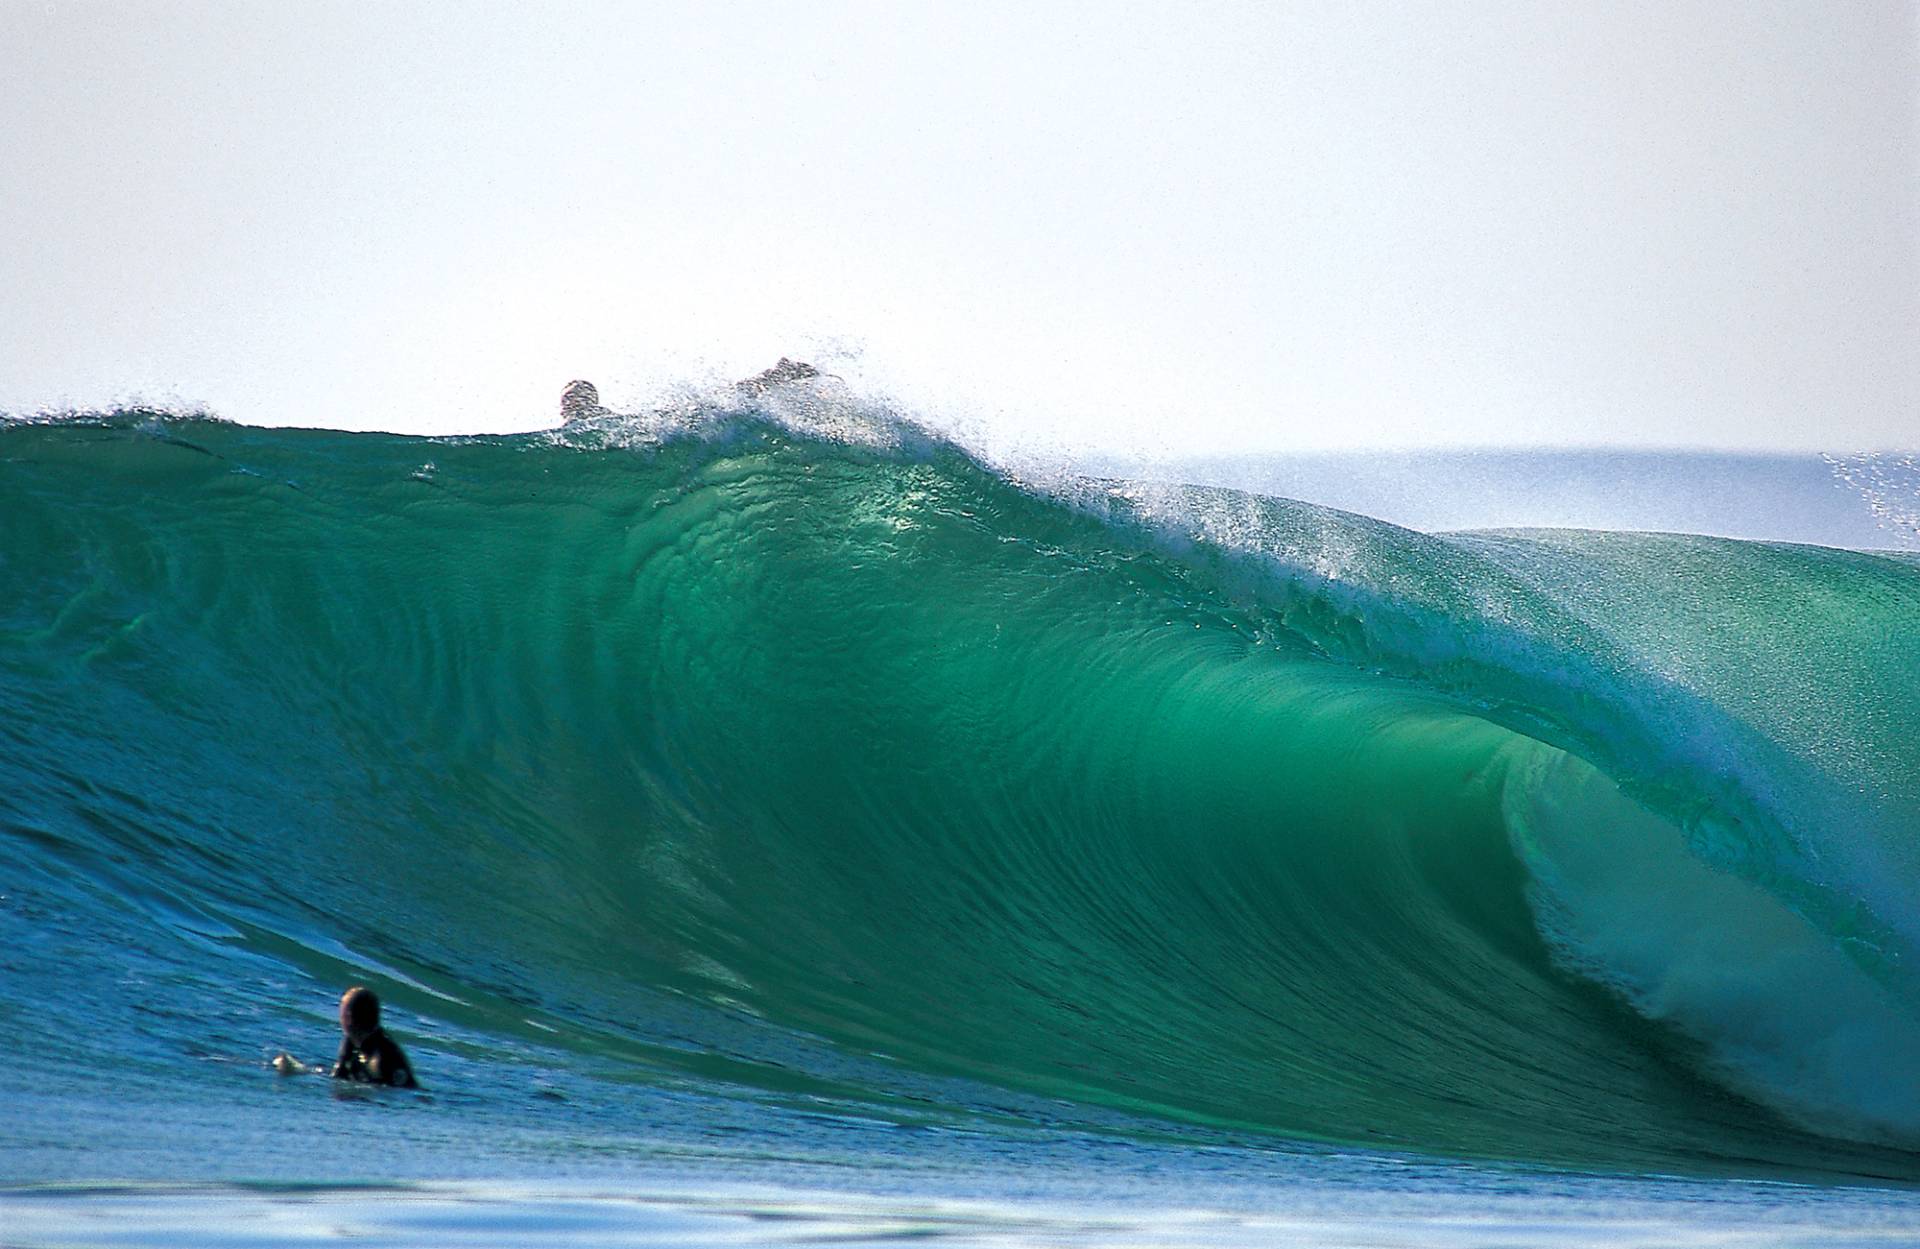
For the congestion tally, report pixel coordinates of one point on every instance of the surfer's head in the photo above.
(359, 1012)
(579, 399)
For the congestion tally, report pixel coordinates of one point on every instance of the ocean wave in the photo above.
(774, 716)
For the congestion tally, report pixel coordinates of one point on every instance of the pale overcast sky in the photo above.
(1206, 227)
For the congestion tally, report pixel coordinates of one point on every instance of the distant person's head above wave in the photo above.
(581, 399)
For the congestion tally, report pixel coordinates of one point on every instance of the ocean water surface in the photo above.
(767, 821)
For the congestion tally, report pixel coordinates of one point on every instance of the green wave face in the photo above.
(1585, 848)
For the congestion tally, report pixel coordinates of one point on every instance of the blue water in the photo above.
(767, 822)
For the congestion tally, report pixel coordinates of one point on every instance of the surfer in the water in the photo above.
(780, 374)
(367, 1054)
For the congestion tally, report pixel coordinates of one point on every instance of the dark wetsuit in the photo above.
(377, 1060)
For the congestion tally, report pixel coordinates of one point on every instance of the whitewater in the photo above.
(769, 814)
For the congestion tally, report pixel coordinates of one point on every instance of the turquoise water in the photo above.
(780, 786)
(1560, 1215)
